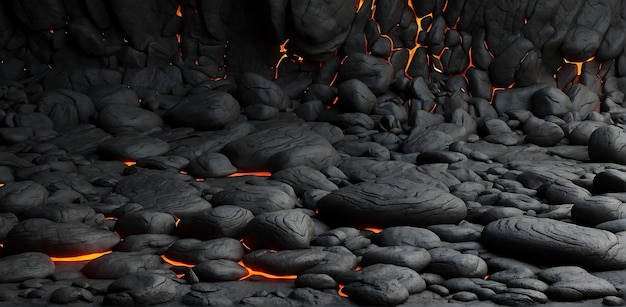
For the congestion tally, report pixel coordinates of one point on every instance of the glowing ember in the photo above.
(486, 277)
(579, 65)
(1, 184)
(130, 163)
(79, 258)
(258, 174)
(176, 263)
(340, 291)
(374, 230)
(179, 12)
(252, 272)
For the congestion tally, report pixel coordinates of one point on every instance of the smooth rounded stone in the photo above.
(7, 222)
(149, 243)
(528, 283)
(391, 202)
(584, 100)
(520, 201)
(450, 263)
(376, 292)
(551, 101)
(120, 264)
(542, 133)
(375, 72)
(219, 270)
(195, 251)
(146, 188)
(355, 96)
(223, 221)
(25, 266)
(511, 274)
(254, 89)
(598, 209)
(465, 296)
(281, 147)
(407, 278)
(316, 281)
(309, 110)
(65, 212)
(286, 229)
(16, 197)
(555, 241)
(361, 121)
(415, 258)
(363, 149)
(514, 299)
(283, 262)
(211, 165)
(122, 118)
(67, 295)
(336, 236)
(140, 222)
(304, 178)
(338, 259)
(58, 239)
(210, 110)
(564, 192)
(440, 157)
(455, 233)
(130, 147)
(255, 198)
(141, 289)
(613, 301)
(608, 144)
(407, 235)
(581, 134)
(610, 180)
(423, 140)
(613, 226)
(571, 283)
(260, 111)
(366, 169)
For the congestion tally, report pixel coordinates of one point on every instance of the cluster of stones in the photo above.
(515, 202)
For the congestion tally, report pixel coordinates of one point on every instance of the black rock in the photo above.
(254, 89)
(149, 243)
(193, 251)
(67, 295)
(25, 266)
(64, 213)
(450, 263)
(386, 202)
(611, 180)
(223, 221)
(141, 289)
(286, 229)
(210, 110)
(141, 222)
(316, 281)
(304, 178)
(598, 209)
(355, 96)
(16, 197)
(58, 239)
(571, 283)
(375, 72)
(131, 147)
(121, 118)
(555, 241)
(119, 264)
(219, 270)
(551, 101)
(415, 258)
(256, 198)
(286, 262)
(406, 235)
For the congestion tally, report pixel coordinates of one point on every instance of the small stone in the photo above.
(316, 281)
(219, 270)
(66, 295)
(25, 266)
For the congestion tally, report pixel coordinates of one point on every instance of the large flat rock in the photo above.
(555, 241)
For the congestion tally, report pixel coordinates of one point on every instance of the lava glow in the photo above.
(79, 258)
(374, 230)
(579, 65)
(176, 263)
(130, 163)
(252, 272)
(258, 174)
(340, 291)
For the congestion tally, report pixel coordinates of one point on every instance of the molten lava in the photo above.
(374, 230)
(130, 163)
(79, 258)
(258, 174)
(252, 272)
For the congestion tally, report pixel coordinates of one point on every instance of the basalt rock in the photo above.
(286, 229)
(385, 202)
(119, 265)
(211, 110)
(223, 221)
(141, 289)
(21, 267)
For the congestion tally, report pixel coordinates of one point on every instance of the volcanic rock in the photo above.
(355, 96)
(141, 289)
(140, 222)
(120, 264)
(375, 72)
(210, 110)
(598, 209)
(608, 144)
(25, 266)
(219, 270)
(148, 243)
(551, 101)
(255, 198)
(58, 239)
(65, 212)
(146, 188)
(406, 235)
(304, 178)
(281, 147)
(210, 165)
(285, 229)
(194, 251)
(255, 89)
(582, 132)
(450, 263)
(16, 197)
(386, 202)
(285, 262)
(571, 283)
(316, 281)
(552, 241)
(542, 133)
(66, 295)
(415, 258)
(118, 118)
(223, 221)
(130, 147)
(66, 108)
(338, 259)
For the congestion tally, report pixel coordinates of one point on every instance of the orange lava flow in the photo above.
(340, 291)
(176, 263)
(179, 12)
(258, 174)
(252, 272)
(579, 65)
(130, 163)
(1, 184)
(79, 258)
(374, 230)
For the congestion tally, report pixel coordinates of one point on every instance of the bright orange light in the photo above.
(340, 291)
(1, 184)
(374, 230)
(176, 263)
(130, 163)
(110, 218)
(258, 174)
(579, 65)
(79, 258)
(486, 277)
(179, 12)
(252, 272)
